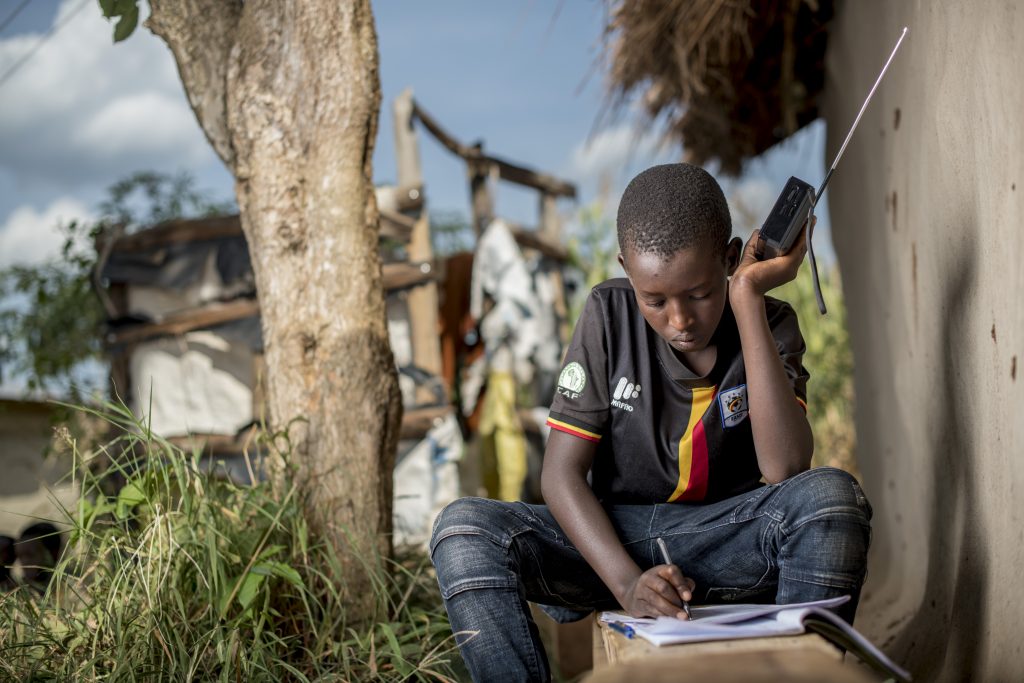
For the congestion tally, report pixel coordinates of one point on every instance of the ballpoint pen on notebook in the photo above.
(668, 560)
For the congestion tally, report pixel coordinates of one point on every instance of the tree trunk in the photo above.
(288, 92)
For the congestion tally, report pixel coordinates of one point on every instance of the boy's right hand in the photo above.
(659, 592)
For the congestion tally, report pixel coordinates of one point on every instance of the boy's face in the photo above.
(682, 297)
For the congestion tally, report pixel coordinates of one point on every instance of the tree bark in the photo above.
(288, 93)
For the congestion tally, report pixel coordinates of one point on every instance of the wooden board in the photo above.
(785, 658)
(795, 665)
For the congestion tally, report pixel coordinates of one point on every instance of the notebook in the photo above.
(730, 622)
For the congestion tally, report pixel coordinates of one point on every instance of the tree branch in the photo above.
(201, 34)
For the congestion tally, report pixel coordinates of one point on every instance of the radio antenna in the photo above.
(859, 114)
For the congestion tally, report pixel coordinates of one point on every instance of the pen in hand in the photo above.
(668, 560)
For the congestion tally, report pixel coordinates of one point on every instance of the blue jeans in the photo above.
(805, 538)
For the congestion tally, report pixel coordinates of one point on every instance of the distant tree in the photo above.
(50, 317)
(288, 94)
(450, 233)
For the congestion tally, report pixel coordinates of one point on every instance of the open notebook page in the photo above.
(726, 614)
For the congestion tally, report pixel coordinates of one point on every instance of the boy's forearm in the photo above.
(782, 435)
(577, 510)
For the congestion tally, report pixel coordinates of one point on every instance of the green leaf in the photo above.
(303, 537)
(108, 8)
(130, 496)
(285, 572)
(90, 511)
(270, 551)
(250, 588)
(399, 662)
(126, 24)
(251, 583)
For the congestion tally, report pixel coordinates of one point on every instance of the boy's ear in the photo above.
(733, 251)
(622, 262)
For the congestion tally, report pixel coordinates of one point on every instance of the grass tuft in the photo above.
(173, 573)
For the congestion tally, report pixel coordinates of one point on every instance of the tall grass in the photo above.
(174, 573)
(829, 359)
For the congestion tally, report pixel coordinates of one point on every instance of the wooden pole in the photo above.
(505, 170)
(422, 301)
(481, 200)
(551, 230)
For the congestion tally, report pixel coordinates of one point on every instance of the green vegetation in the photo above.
(450, 233)
(179, 574)
(593, 245)
(50, 317)
(830, 362)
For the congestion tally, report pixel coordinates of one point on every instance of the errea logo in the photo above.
(625, 390)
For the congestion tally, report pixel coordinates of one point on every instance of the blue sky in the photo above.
(523, 77)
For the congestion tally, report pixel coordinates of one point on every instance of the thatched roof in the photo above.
(729, 78)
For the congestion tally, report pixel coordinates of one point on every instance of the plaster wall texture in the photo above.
(926, 214)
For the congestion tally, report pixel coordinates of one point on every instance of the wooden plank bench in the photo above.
(805, 658)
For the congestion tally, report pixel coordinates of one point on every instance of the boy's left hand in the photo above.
(757, 278)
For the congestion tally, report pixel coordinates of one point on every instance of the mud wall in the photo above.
(926, 215)
(33, 485)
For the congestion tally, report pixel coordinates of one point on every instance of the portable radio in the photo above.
(794, 209)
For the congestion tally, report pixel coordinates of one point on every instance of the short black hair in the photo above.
(672, 207)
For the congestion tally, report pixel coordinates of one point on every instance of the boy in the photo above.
(681, 389)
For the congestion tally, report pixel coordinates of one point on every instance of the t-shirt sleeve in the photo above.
(786, 330)
(580, 404)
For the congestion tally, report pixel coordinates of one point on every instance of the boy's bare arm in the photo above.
(782, 435)
(658, 591)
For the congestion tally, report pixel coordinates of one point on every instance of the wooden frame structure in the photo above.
(406, 222)
(481, 169)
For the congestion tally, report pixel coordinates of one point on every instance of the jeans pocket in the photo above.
(448, 591)
(749, 508)
(742, 564)
(759, 594)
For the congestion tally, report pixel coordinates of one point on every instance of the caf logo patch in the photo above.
(733, 404)
(572, 380)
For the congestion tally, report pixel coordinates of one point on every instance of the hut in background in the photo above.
(926, 215)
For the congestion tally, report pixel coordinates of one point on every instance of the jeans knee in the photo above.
(467, 516)
(469, 546)
(827, 491)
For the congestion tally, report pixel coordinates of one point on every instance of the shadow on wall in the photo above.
(956, 593)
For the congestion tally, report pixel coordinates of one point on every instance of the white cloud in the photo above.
(613, 151)
(30, 237)
(83, 110)
(126, 126)
(750, 200)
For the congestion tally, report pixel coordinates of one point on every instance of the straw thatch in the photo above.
(729, 78)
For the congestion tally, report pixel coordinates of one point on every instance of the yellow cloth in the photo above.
(503, 445)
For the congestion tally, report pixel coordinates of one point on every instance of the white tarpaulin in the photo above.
(520, 331)
(197, 383)
(426, 479)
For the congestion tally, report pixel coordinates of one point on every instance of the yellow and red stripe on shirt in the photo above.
(574, 429)
(693, 450)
